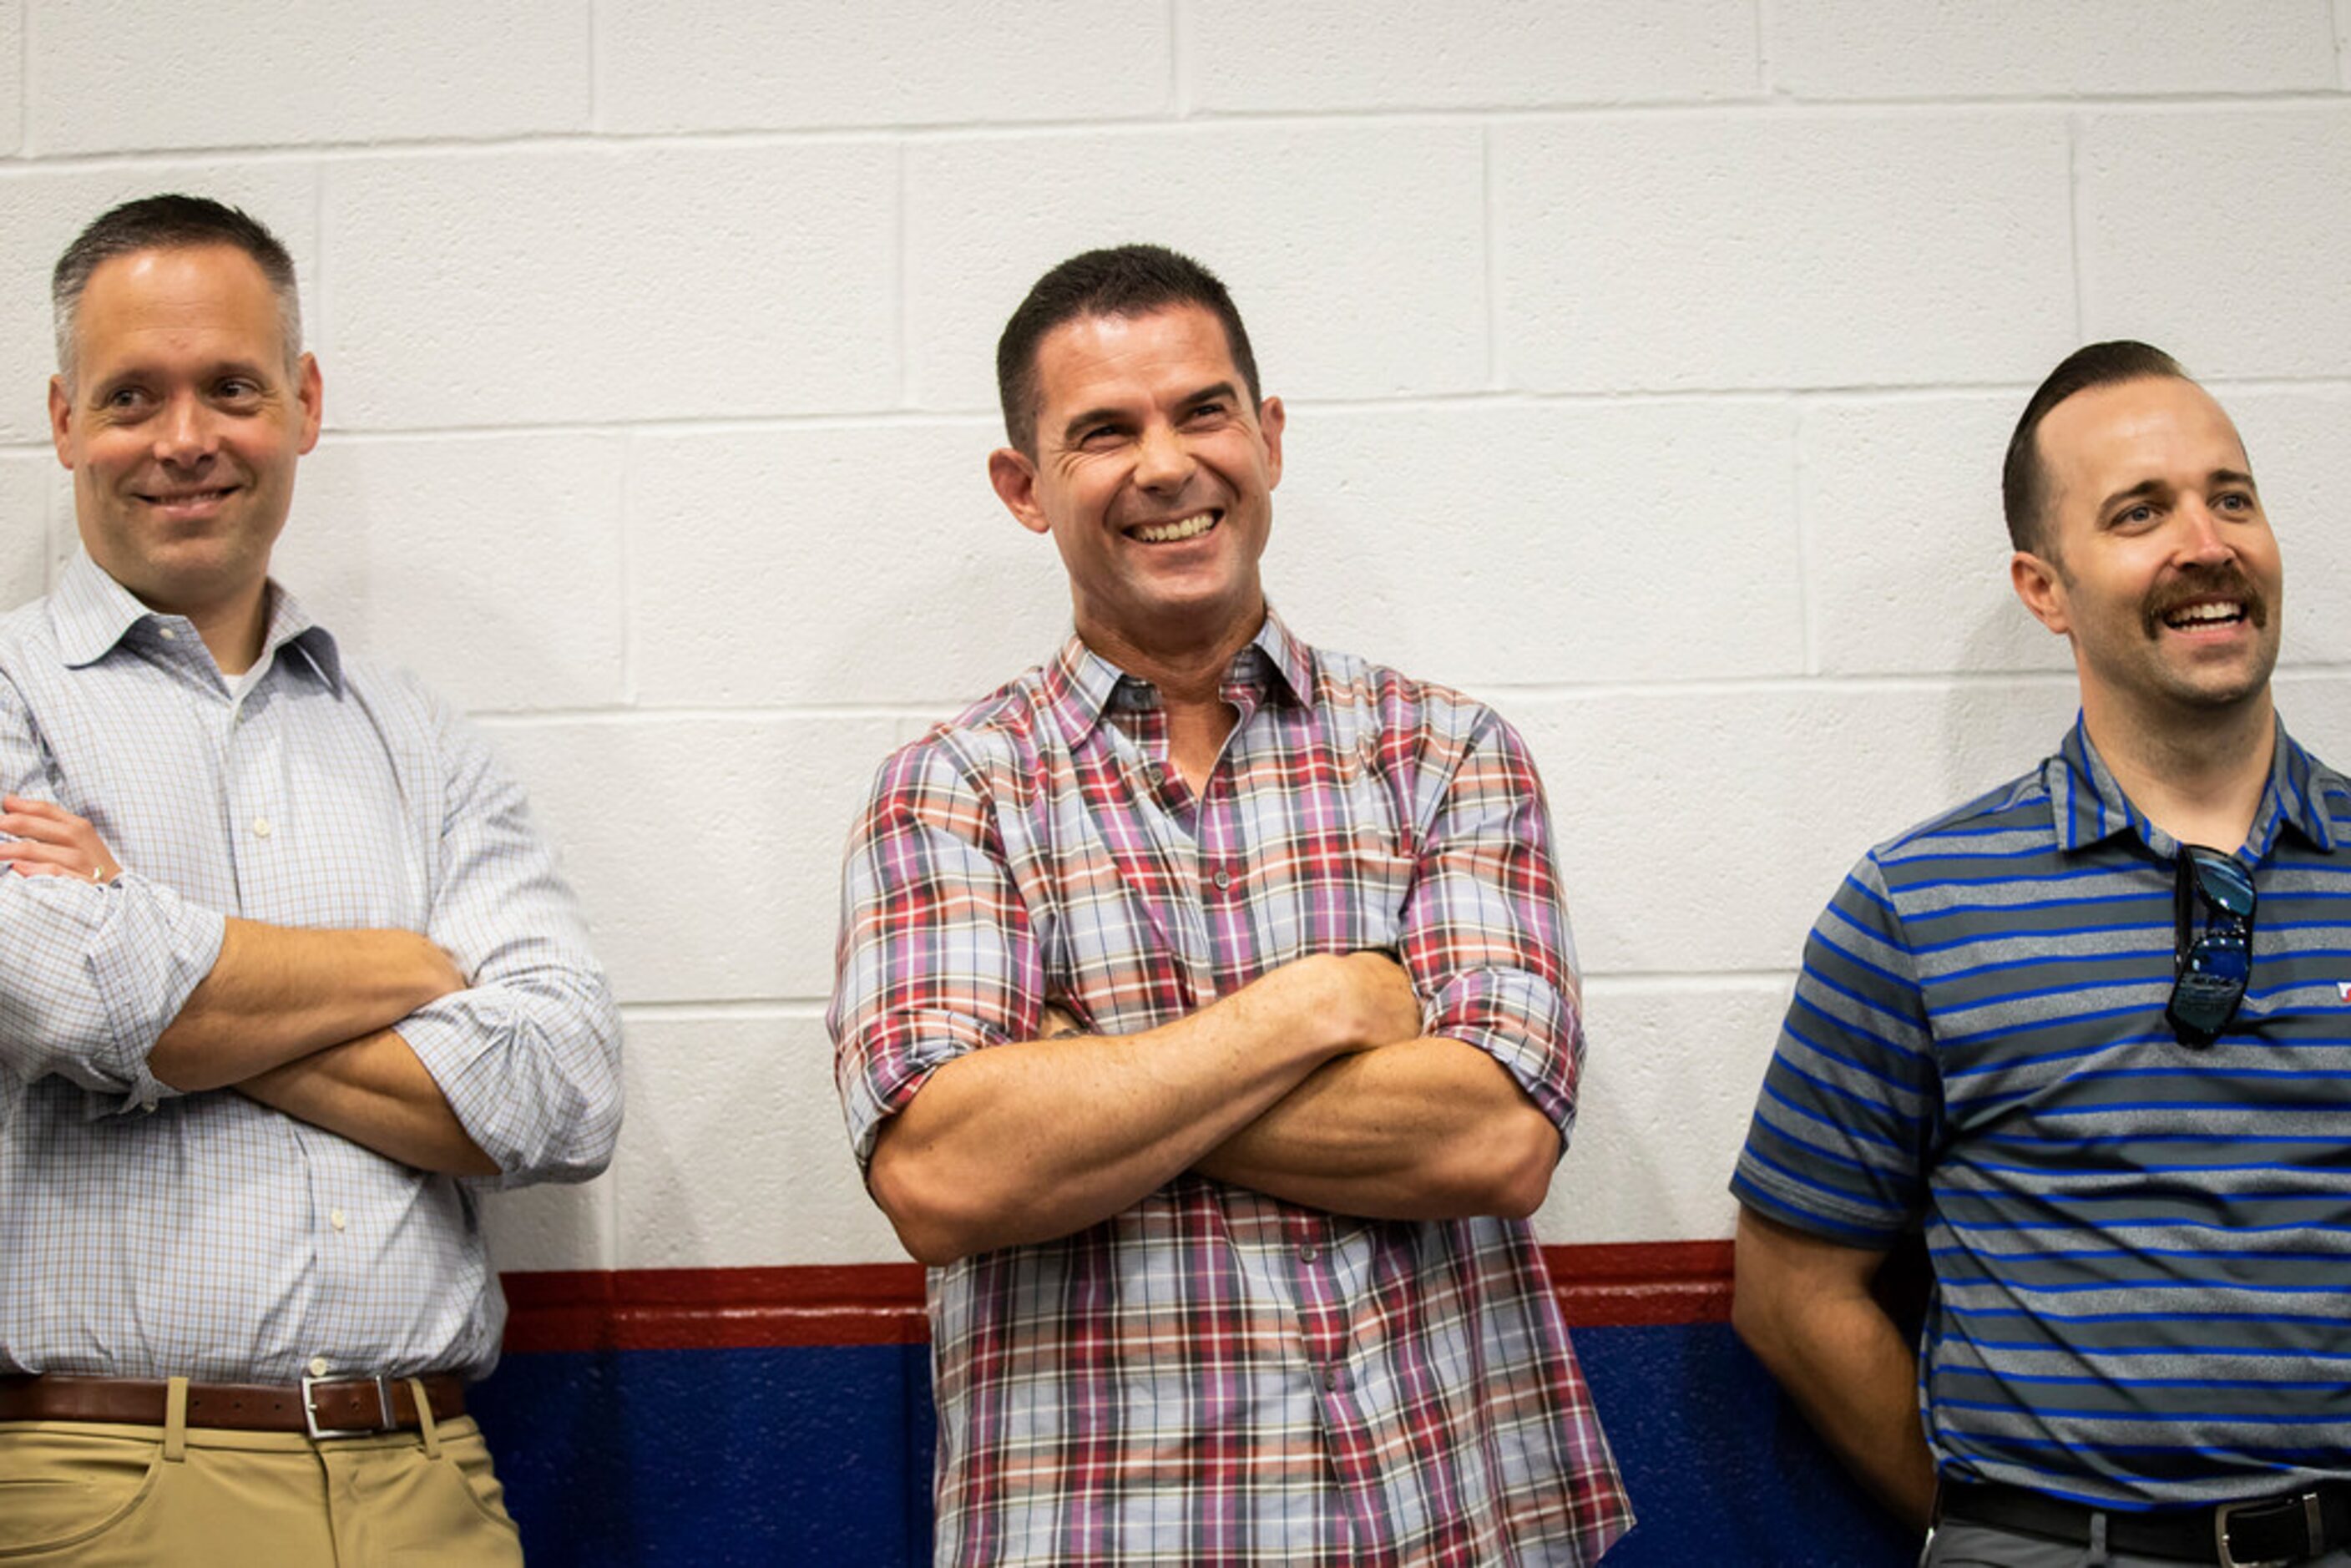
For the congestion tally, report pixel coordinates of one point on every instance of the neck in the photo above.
(2198, 776)
(1190, 672)
(1187, 667)
(233, 631)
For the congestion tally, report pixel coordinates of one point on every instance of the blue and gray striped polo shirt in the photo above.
(2142, 1251)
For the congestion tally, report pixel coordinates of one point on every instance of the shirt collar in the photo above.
(2089, 806)
(1080, 686)
(92, 614)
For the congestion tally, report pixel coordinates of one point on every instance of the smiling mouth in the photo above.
(2207, 612)
(173, 499)
(1190, 527)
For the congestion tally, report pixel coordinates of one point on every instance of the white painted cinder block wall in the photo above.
(1649, 363)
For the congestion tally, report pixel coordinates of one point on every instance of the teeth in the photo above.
(1184, 529)
(2205, 614)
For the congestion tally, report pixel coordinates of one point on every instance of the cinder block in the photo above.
(1669, 1079)
(857, 565)
(1850, 48)
(706, 850)
(491, 566)
(47, 207)
(1366, 279)
(1323, 54)
(2316, 706)
(733, 1155)
(27, 481)
(1805, 249)
(258, 73)
(12, 80)
(708, 64)
(1530, 543)
(2220, 235)
(1907, 549)
(2300, 442)
(551, 1226)
(581, 287)
(1701, 830)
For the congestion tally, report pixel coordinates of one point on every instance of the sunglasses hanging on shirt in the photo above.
(2212, 944)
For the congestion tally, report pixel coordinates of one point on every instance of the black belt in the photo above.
(2283, 1528)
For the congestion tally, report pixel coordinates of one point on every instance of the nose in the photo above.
(184, 434)
(1162, 461)
(2202, 541)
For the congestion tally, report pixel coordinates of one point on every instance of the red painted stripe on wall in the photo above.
(1622, 1284)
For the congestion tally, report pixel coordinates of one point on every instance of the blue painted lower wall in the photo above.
(822, 1456)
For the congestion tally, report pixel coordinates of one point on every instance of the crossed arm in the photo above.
(1312, 1083)
(300, 1021)
(1804, 1307)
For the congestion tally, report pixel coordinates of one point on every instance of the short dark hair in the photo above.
(2023, 475)
(169, 222)
(1123, 280)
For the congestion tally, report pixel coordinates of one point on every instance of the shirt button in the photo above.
(336, 1218)
(318, 1367)
(166, 633)
(1330, 1382)
(261, 828)
(1224, 879)
(1156, 773)
(1310, 1252)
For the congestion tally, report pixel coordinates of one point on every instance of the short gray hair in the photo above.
(171, 222)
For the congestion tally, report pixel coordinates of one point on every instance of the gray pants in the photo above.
(1958, 1543)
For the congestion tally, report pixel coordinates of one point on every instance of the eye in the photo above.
(237, 388)
(124, 398)
(1094, 437)
(1207, 413)
(2135, 515)
(2234, 501)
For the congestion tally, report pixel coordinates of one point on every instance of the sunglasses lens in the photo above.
(2222, 881)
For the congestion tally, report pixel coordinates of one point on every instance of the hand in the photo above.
(50, 841)
(1375, 1004)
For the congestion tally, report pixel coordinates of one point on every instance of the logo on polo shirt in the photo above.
(2343, 990)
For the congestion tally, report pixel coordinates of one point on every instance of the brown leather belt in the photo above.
(322, 1406)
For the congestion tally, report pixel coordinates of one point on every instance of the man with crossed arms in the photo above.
(1205, 1019)
(2090, 1031)
(290, 975)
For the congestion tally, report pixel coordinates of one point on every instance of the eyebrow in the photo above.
(1220, 391)
(2147, 490)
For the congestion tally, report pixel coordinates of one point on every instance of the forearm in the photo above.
(374, 1091)
(277, 993)
(1424, 1129)
(1804, 1308)
(1034, 1140)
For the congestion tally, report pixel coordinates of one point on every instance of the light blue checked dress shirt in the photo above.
(147, 1233)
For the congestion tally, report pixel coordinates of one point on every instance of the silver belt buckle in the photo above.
(2314, 1529)
(383, 1403)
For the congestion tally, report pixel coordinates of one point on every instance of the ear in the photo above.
(2041, 586)
(1270, 417)
(1015, 478)
(312, 393)
(61, 420)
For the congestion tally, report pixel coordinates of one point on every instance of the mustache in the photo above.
(2228, 581)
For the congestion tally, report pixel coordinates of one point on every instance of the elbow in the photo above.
(1514, 1166)
(932, 1226)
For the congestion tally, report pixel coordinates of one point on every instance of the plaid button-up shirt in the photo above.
(1216, 1375)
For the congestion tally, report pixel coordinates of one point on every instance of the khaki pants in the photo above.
(77, 1494)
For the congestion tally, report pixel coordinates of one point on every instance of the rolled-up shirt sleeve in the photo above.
(1483, 932)
(529, 1056)
(935, 956)
(91, 975)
